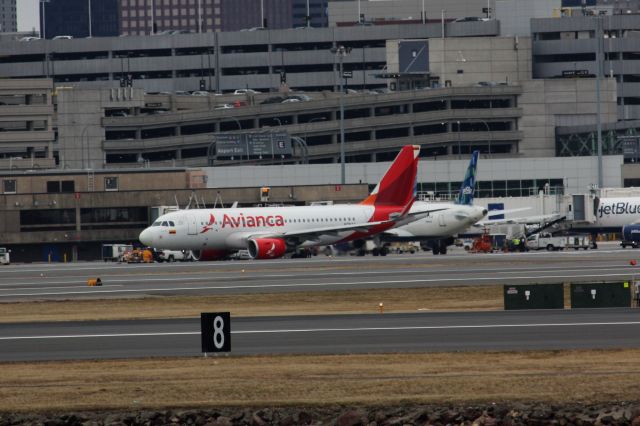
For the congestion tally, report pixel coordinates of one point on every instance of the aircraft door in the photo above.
(578, 207)
(192, 224)
(441, 220)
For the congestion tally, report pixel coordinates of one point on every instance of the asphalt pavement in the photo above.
(69, 281)
(330, 334)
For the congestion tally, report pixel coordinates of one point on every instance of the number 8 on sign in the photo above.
(215, 330)
(218, 332)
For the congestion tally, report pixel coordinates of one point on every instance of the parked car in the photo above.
(273, 100)
(245, 92)
(63, 37)
(224, 106)
(200, 93)
(29, 38)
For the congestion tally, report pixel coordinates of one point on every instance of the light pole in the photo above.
(459, 153)
(261, 14)
(306, 132)
(237, 122)
(153, 17)
(341, 52)
(90, 33)
(308, 15)
(82, 147)
(44, 19)
(490, 135)
(11, 164)
(599, 63)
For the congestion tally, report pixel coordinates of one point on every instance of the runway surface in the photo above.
(68, 281)
(335, 334)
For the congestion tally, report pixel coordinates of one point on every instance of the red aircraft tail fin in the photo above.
(398, 185)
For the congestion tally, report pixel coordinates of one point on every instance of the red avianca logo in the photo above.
(244, 221)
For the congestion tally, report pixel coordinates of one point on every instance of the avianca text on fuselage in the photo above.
(249, 221)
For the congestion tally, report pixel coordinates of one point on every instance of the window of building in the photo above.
(9, 186)
(53, 186)
(111, 183)
(67, 186)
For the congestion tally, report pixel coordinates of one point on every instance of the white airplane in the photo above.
(437, 231)
(270, 232)
(617, 214)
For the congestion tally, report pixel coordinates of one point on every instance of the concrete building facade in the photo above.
(26, 124)
(8, 16)
(567, 47)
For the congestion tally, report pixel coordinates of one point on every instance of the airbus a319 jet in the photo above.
(270, 232)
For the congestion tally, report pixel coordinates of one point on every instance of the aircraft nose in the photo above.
(146, 237)
(484, 212)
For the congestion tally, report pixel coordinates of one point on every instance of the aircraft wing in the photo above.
(300, 236)
(526, 220)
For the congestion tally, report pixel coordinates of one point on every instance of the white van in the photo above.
(4, 256)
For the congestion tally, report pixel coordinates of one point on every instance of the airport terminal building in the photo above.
(116, 106)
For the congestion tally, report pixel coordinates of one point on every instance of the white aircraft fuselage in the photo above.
(229, 229)
(614, 213)
(455, 219)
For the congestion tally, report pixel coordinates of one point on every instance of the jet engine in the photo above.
(210, 254)
(267, 248)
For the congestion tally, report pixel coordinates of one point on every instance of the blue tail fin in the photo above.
(468, 186)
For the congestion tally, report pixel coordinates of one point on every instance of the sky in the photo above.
(28, 15)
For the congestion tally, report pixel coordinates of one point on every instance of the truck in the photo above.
(173, 255)
(114, 252)
(545, 240)
(630, 236)
(4, 256)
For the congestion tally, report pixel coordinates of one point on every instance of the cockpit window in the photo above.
(156, 223)
(165, 223)
(171, 223)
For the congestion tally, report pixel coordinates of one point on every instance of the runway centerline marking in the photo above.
(316, 330)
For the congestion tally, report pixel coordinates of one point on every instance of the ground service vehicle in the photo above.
(4, 256)
(578, 242)
(630, 236)
(114, 252)
(173, 255)
(545, 240)
(138, 256)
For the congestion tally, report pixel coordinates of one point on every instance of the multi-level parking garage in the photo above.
(223, 61)
(568, 46)
(452, 121)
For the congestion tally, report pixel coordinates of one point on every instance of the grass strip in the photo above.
(259, 304)
(586, 376)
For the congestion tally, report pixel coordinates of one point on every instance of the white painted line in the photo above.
(502, 271)
(303, 285)
(323, 330)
